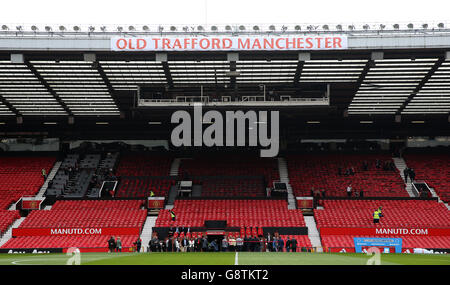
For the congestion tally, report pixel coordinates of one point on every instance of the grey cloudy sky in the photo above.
(221, 12)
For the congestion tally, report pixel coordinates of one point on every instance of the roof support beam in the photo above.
(163, 58)
(422, 83)
(48, 87)
(108, 84)
(167, 73)
(302, 57)
(5, 102)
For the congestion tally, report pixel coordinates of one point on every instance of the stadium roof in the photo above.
(47, 76)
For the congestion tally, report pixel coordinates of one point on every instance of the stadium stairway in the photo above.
(284, 177)
(146, 234)
(434, 194)
(313, 233)
(401, 165)
(50, 177)
(8, 233)
(175, 167)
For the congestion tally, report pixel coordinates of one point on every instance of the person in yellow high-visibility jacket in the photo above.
(376, 217)
(172, 215)
(152, 194)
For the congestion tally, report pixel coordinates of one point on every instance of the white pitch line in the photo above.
(236, 259)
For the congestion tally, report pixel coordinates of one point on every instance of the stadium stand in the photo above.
(143, 164)
(321, 172)
(82, 175)
(21, 176)
(88, 213)
(396, 214)
(237, 213)
(346, 241)
(140, 187)
(434, 169)
(81, 214)
(231, 175)
(232, 187)
(231, 165)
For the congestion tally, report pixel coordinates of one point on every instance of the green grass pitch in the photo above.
(223, 258)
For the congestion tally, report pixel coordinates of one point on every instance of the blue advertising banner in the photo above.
(378, 242)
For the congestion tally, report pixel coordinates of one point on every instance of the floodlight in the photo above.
(441, 25)
(146, 28)
(48, 28)
(228, 28)
(339, 27)
(76, 28)
(272, 27)
(325, 27)
(351, 27)
(34, 28)
(410, 26)
(242, 28)
(425, 26)
(131, 28)
(120, 29)
(185, 28)
(396, 26)
(255, 28)
(200, 28)
(213, 28)
(5, 28)
(62, 28)
(298, 28)
(173, 28)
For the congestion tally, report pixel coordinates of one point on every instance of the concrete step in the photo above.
(313, 233)
(50, 177)
(147, 231)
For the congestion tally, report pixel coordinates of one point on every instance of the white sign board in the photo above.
(228, 43)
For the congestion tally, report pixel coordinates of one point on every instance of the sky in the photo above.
(209, 12)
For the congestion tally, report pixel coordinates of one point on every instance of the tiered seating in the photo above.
(434, 169)
(229, 165)
(233, 187)
(321, 172)
(81, 214)
(397, 214)
(231, 168)
(67, 214)
(20, 176)
(6, 219)
(66, 241)
(142, 164)
(237, 213)
(142, 186)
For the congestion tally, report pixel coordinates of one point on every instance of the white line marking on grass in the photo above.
(236, 259)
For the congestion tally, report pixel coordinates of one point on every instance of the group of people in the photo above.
(267, 243)
(115, 245)
(409, 172)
